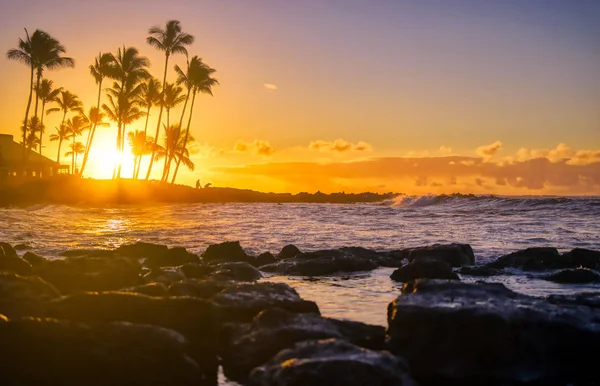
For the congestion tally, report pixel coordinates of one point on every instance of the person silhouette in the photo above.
(198, 184)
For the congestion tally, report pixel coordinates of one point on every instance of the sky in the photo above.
(434, 96)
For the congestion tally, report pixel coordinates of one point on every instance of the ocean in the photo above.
(493, 226)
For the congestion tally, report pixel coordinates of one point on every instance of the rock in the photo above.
(479, 271)
(70, 354)
(196, 319)
(263, 259)
(580, 257)
(238, 271)
(22, 247)
(321, 263)
(166, 275)
(204, 289)
(88, 253)
(196, 270)
(424, 269)
(227, 251)
(456, 255)
(331, 362)
(10, 261)
(275, 329)
(573, 276)
(289, 251)
(141, 250)
(34, 259)
(171, 258)
(24, 296)
(81, 274)
(531, 259)
(473, 334)
(242, 302)
(150, 289)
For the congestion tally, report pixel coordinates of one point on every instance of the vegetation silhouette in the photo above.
(47, 94)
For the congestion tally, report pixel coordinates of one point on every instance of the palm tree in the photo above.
(67, 102)
(76, 126)
(47, 95)
(171, 40)
(173, 147)
(140, 146)
(76, 149)
(100, 69)
(200, 79)
(62, 133)
(150, 96)
(172, 97)
(93, 120)
(32, 139)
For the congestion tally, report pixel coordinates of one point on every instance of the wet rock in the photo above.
(263, 259)
(166, 275)
(242, 302)
(289, 251)
(239, 271)
(331, 362)
(573, 276)
(171, 258)
(204, 289)
(150, 289)
(24, 296)
(382, 259)
(580, 257)
(479, 271)
(588, 299)
(275, 329)
(472, 334)
(81, 274)
(456, 255)
(88, 253)
(531, 259)
(22, 247)
(69, 354)
(227, 251)
(196, 270)
(196, 319)
(34, 259)
(10, 261)
(321, 263)
(424, 269)
(141, 250)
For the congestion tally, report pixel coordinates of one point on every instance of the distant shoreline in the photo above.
(75, 191)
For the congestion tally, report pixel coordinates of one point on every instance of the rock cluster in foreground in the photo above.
(146, 314)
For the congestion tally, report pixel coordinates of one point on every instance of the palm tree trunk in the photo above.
(162, 105)
(92, 132)
(37, 87)
(73, 154)
(185, 139)
(59, 145)
(137, 170)
(27, 117)
(187, 97)
(42, 125)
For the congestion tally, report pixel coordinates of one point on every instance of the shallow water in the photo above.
(492, 225)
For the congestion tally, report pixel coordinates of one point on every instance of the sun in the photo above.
(104, 157)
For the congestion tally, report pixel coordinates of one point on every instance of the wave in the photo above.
(496, 201)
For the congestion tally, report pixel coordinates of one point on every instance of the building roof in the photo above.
(11, 154)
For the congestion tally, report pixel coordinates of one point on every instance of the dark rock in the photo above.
(275, 329)
(479, 271)
(331, 362)
(588, 299)
(585, 258)
(195, 318)
(70, 354)
(239, 271)
(24, 296)
(22, 247)
(227, 251)
(473, 334)
(424, 269)
(81, 274)
(289, 251)
(10, 261)
(573, 276)
(166, 275)
(88, 253)
(204, 289)
(150, 289)
(171, 258)
(242, 302)
(141, 250)
(456, 255)
(196, 270)
(321, 263)
(531, 259)
(263, 259)
(34, 259)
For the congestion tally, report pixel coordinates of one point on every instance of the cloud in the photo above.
(488, 151)
(206, 150)
(561, 152)
(446, 150)
(258, 146)
(585, 157)
(339, 145)
(270, 86)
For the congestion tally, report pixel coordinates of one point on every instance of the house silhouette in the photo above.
(17, 161)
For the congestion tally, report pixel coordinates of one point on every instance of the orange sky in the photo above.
(352, 95)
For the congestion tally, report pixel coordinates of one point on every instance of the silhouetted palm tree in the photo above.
(67, 102)
(150, 96)
(170, 40)
(76, 149)
(32, 138)
(199, 78)
(140, 146)
(100, 69)
(47, 95)
(62, 133)
(93, 120)
(173, 148)
(172, 97)
(76, 126)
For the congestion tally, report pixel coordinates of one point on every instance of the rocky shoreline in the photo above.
(147, 314)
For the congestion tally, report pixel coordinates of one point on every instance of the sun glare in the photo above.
(104, 157)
